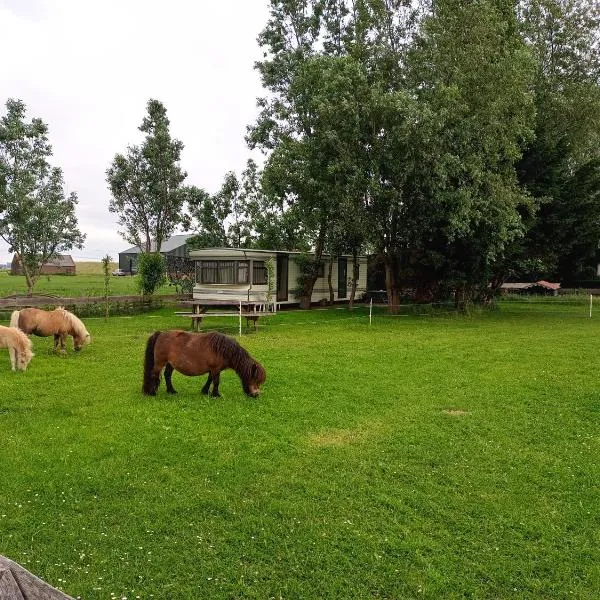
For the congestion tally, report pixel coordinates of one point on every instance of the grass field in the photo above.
(87, 282)
(420, 457)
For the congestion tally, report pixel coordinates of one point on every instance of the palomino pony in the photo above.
(196, 354)
(19, 347)
(58, 322)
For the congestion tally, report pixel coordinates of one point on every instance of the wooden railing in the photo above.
(16, 302)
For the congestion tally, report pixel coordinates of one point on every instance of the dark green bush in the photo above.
(151, 272)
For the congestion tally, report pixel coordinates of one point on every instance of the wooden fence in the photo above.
(91, 304)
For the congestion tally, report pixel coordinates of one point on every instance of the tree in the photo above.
(472, 75)
(206, 216)
(146, 184)
(221, 219)
(311, 126)
(403, 120)
(151, 272)
(106, 260)
(560, 167)
(37, 216)
(233, 194)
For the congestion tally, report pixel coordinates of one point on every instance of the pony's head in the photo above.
(80, 334)
(81, 339)
(24, 353)
(258, 376)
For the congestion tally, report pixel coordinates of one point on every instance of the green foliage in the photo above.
(106, 263)
(37, 216)
(222, 219)
(237, 216)
(398, 127)
(206, 216)
(560, 168)
(308, 268)
(181, 273)
(151, 272)
(146, 184)
(271, 282)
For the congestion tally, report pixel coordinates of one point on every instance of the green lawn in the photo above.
(421, 457)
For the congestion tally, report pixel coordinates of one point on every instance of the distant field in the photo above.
(89, 281)
(93, 268)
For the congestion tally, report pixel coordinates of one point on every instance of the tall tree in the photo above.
(37, 216)
(146, 184)
(472, 73)
(206, 217)
(224, 218)
(311, 124)
(412, 114)
(560, 168)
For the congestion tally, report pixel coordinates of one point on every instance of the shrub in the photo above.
(150, 272)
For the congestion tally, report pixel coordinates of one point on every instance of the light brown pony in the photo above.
(19, 347)
(58, 322)
(196, 354)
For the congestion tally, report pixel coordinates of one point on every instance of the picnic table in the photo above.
(199, 309)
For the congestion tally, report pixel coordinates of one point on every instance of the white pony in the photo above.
(19, 347)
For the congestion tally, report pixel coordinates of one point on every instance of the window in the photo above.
(223, 271)
(208, 271)
(259, 272)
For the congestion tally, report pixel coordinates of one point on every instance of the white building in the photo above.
(240, 274)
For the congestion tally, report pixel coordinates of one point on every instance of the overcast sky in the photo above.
(88, 67)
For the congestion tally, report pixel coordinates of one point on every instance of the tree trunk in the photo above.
(309, 282)
(29, 279)
(331, 292)
(392, 283)
(488, 294)
(355, 275)
(462, 297)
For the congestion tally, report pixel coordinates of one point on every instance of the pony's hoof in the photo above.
(171, 391)
(216, 395)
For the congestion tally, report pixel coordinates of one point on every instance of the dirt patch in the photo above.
(344, 437)
(455, 412)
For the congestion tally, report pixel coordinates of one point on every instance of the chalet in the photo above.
(174, 246)
(234, 274)
(63, 264)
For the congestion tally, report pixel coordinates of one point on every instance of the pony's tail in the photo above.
(14, 319)
(150, 384)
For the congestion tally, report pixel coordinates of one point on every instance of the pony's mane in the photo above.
(241, 362)
(21, 343)
(74, 321)
(25, 345)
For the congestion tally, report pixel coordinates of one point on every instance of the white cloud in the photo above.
(88, 69)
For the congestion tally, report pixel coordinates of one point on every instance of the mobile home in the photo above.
(241, 274)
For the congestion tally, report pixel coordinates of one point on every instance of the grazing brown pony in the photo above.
(19, 347)
(196, 354)
(58, 322)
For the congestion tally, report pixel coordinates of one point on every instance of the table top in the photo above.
(233, 302)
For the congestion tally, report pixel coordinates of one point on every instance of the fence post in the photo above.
(240, 318)
(371, 311)
(591, 298)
